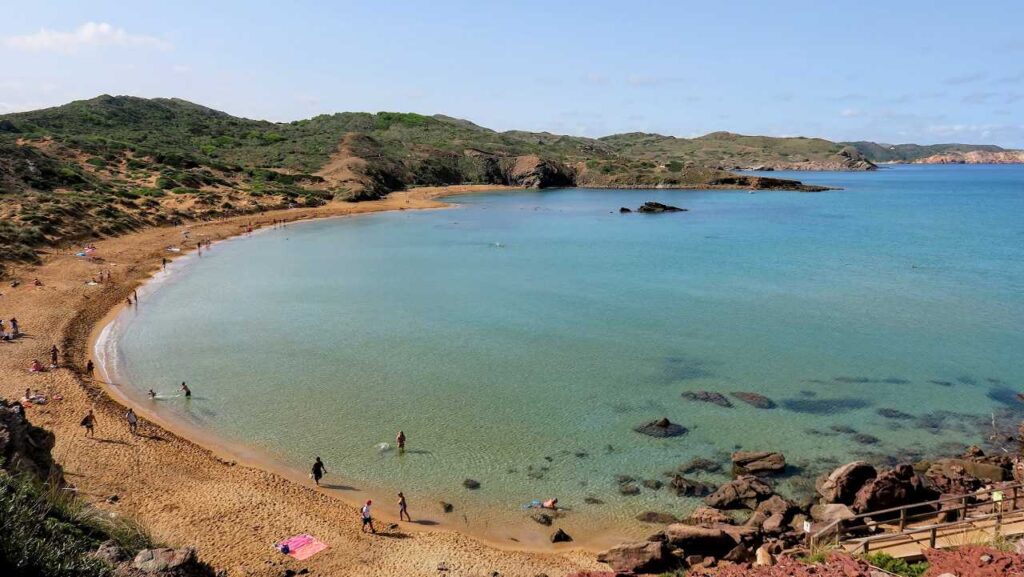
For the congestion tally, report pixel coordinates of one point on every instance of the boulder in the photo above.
(447, 507)
(110, 552)
(842, 484)
(661, 428)
(699, 540)
(894, 488)
(560, 536)
(542, 518)
(624, 210)
(657, 518)
(829, 512)
(949, 476)
(656, 207)
(703, 515)
(745, 462)
(708, 397)
(978, 470)
(755, 400)
(763, 557)
(629, 489)
(684, 487)
(653, 484)
(163, 560)
(638, 557)
(745, 492)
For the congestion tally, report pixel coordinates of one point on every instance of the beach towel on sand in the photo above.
(301, 547)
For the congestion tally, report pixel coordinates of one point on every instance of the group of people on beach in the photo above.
(319, 470)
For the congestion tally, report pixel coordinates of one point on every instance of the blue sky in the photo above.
(909, 71)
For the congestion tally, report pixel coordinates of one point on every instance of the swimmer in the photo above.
(152, 395)
(550, 504)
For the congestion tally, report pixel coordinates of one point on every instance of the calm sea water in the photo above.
(519, 338)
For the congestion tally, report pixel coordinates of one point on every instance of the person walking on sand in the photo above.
(367, 518)
(133, 421)
(319, 470)
(403, 508)
(89, 367)
(15, 329)
(53, 356)
(400, 440)
(163, 263)
(186, 390)
(89, 422)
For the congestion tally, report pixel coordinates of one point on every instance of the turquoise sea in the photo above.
(518, 338)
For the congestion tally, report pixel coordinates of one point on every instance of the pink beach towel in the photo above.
(302, 547)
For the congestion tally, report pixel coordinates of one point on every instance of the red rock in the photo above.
(640, 557)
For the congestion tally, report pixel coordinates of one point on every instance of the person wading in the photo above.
(319, 470)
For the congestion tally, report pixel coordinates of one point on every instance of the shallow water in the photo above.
(518, 338)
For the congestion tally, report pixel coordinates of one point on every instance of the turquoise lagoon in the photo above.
(518, 338)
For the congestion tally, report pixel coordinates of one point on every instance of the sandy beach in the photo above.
(185, 493)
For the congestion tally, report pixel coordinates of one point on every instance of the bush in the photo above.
(48, 531)
(898, 566)
(674, 166)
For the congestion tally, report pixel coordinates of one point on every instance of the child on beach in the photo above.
(367, 518)
(133, 421)
(403, 508)
(36, 367)
(89, 422)
(318, 471)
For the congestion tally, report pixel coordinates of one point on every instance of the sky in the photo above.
(907, 71)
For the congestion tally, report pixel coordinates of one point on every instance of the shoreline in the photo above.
(520, 535)
(94, 471)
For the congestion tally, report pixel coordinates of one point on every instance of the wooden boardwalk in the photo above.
(956, 521)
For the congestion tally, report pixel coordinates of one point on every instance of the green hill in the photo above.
(112, 164)
(911, 152)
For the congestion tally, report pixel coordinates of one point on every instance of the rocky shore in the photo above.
(744, 523)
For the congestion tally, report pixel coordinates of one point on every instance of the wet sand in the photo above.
(230, 505)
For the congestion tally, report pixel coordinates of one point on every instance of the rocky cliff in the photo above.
(975, 157)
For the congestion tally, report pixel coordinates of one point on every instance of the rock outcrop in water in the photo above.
(661, 428)
(708, 397)
(652, 207)
(754, 462)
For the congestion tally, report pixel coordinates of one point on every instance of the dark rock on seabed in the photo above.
(708, 397)
(755, 400)
(661, 428)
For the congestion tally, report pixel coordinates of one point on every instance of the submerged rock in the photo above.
(755, 400)
(894, 414)
(684, 487)
(542, 518)
(471, 484)
(624, 210)
(744, 462)
(708, 397)
(744, 492)
(700, 464)
(629, 489)
(656, 517)
(447, 507)
(656, 207)
(661, 428)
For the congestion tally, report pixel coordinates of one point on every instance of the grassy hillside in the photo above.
(910, 152)
(730, 151)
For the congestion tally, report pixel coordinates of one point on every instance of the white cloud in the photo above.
(90, 34)
(647, 80)
(849, 112)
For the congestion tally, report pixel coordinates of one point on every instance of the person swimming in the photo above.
(152, 394)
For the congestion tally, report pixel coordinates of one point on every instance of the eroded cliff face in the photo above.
(975, 157)
(849, 158)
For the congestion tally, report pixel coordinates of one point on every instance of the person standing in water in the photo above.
(400, 440)
(403, 508)
(186, 390)
(89, 422)
(367, 518)
(152, 395)
(89, 367)
(319, 470)
(133, 421)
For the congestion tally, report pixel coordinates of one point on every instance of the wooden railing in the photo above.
(867, 528)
